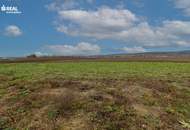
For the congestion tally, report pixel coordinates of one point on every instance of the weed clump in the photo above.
(65, 102)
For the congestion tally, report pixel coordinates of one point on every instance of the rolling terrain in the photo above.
(95, 96)
(181, 56)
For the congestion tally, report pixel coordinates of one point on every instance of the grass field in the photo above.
(95, 96)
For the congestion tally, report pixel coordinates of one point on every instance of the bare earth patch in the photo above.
(106, 104)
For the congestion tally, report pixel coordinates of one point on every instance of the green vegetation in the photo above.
(95, 96)
(95, 69)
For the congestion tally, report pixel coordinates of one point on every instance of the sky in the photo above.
(93, 27)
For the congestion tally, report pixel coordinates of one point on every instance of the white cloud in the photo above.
(62, 4)
(134, 49)
(13, 31)
(168, 34)
(82, 48)
(183, 5)
(100, 24)
(39, 54)
(183, 43)
(122, 25)
(66, 4)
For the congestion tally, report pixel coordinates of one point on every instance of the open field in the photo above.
(95, 96)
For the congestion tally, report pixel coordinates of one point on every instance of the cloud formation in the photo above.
(66, 4)
(100, 24)
(133, 49)
(40, 54)
(123, 25)
(82, 48)
(62, 4)
(13, 31)
(183, 5)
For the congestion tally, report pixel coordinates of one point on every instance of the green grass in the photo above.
(95, 95)
(96, 69)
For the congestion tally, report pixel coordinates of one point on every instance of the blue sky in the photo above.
(89, 27)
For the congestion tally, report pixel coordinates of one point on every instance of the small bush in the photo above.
(65, 102)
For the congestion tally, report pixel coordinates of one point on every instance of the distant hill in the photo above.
(178, 56)
(156, 53)
(185, 52)
(169, 53)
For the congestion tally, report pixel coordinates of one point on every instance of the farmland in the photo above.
(95, 96)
